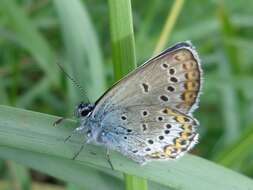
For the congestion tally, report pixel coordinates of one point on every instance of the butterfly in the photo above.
(147, 115)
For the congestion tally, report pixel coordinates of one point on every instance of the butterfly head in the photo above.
(94, 134)
(84, 109)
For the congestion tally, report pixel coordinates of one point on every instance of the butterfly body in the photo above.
(148, 114)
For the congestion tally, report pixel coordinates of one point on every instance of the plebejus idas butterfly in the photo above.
(148, 114)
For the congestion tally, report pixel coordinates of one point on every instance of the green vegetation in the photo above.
(98, 42)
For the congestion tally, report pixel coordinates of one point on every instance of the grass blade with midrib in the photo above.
(31, 131)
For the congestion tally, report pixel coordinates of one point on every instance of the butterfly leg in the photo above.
(108, 158)
(76, 130)
(58, 121)
(80, 150)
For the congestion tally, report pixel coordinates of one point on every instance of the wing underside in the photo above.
(148, 114)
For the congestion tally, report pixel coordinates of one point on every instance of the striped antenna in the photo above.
(74, 81)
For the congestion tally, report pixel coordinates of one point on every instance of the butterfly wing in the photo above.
(138, 110)
(150, 132)
(172, 79)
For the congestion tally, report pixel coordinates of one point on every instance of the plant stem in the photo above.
(169, 25)
(122, 37)
(123, 57)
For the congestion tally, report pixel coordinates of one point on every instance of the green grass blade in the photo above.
(169, 25)
(29, 38)
(69, 171)
(83, 52)
(229, 104)
(134, 182)
(124, 60)
(19, 176)
(72, 186)
(122, 37)
(30, 131)
(238, 150)
(143, 43)
(65, 169)
(228, 32)
(229, 66)
(27, 98)
(3, 95)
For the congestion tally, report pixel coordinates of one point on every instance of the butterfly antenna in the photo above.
(73, 80)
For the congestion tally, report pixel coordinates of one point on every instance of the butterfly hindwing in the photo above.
(150, 132)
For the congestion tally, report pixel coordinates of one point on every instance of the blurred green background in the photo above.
(35, 34)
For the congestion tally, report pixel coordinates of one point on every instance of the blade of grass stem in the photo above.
(83, 51)
(65, 169)
(25, 33)
(19, 176)
(122, 37)
(124, 60)
(229, 66)
(24, 131)
(169, 25)
(238, 150)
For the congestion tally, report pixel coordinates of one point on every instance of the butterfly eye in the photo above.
(85, 112)
(84, 109)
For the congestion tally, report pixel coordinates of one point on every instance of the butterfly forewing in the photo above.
(170, 79)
